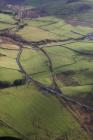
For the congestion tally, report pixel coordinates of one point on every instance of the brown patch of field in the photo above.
(8, 45)
(65, 137)
(67, 79)
(76, 22)
(85, 117)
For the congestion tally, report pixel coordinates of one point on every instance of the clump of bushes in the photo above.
(6, 84)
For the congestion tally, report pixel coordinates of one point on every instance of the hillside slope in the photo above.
(60, 8)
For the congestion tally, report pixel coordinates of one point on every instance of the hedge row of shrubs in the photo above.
(17, 82)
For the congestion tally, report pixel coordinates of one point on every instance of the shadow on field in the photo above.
(9, 138)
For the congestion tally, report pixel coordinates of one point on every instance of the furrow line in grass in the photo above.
(14, 129)
(9, 68)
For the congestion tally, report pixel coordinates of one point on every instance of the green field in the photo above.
(29, 112)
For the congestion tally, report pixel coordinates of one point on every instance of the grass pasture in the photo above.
(6, 21)
(32, 112)
(60, 28)
(38, 115)
(35, 34)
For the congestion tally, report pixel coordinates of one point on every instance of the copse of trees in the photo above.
(4, 84)
(18, 82)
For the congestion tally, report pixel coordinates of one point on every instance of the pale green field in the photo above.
(7, 21)
(6, 17)
(35, 34)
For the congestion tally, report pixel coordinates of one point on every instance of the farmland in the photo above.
(60, 59)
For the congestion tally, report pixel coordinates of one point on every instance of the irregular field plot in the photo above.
(34, 33)
(35, 62)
